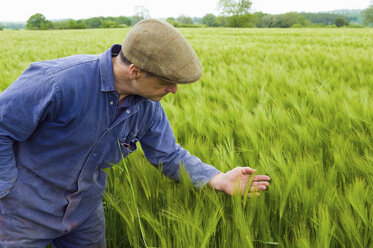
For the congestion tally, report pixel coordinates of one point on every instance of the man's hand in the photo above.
(235, 181)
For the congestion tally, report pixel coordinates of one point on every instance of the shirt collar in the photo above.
(107, 75)
(131, 100)
(106, 68)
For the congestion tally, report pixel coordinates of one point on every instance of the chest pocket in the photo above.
(125, 147)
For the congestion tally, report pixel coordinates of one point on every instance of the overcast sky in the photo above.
(21, 10)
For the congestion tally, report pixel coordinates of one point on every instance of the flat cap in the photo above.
(159, 48)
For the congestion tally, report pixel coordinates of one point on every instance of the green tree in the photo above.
(70, 24)
(209, 20)
(291, 18)
(76, 24)
(264, 21)
(340, 22)
(222, 21)
(258, 16)
(235, 7)
(123, 20)
(38, 21)
(184, 20)
(325, 18)
(172, 21)
(270, 21)
(238, 21)
(94, 22)
(368, 15)
(110, 24)
(237, 12)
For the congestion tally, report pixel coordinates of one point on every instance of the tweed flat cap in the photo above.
(159, 48)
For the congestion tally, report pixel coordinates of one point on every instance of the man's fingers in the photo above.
(264, 183)
(261, 178)
(248, 170)
(258, 188)
(259, 182)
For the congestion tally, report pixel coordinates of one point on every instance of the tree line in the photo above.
(39, 22)
(233, 13)
(236, 13)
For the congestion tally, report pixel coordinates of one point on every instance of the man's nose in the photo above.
(172, 89)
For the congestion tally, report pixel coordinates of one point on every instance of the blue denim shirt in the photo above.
(60, 125)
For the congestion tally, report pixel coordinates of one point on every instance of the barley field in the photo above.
(295, 104)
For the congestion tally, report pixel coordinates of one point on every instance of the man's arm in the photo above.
(160, 147)
(22, 106)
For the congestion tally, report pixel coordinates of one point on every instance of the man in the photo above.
(64, 120)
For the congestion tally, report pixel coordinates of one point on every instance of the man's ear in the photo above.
(134, 72)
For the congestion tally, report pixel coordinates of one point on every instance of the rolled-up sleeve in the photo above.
(29, 99)
(160, 148)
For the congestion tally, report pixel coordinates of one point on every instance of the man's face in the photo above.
(131, 80)
(153, 88)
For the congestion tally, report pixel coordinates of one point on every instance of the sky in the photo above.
(21, 10)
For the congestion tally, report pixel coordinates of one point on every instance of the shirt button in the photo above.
(111, 103)
(128, 111)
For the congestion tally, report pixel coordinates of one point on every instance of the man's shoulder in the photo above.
(74, 62)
